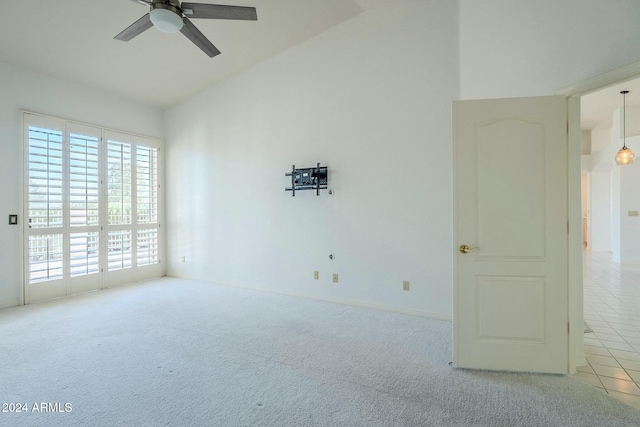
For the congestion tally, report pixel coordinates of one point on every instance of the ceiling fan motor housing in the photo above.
(166, 17)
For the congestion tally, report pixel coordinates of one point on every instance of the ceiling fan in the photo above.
(171, 16)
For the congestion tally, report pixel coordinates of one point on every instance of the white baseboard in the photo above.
(2, 307)
(353, 303)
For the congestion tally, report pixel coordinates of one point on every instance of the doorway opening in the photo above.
(610, 203)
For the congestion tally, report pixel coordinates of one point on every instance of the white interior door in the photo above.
(510, 182)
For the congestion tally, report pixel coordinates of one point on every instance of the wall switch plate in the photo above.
(335, 277)
(633, 213)
(13, 219)
(183, 259)
(316, 275)
(406, 285)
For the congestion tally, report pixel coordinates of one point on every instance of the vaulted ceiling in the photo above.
(74, 40)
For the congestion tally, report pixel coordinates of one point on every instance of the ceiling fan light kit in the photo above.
(166, 18)
(170, 16)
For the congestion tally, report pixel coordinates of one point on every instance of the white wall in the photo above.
(586, 142)
(604, 172)
(615, 215)
(370, 98)
(600, 208)
(614, 192)
(601, 139)
(629, 205)
(21, 89)
(628, 195)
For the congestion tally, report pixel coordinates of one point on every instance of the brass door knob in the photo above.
(464, 249)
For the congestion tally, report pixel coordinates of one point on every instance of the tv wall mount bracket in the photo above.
(307, 179)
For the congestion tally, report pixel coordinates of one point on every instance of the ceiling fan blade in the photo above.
(134, 29)
(219, 11)
(142, 2)
(198, 38)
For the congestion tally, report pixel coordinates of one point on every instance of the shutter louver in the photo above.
(84, 254)
(147, 184)
(45, 257)
(45, 153)
(83, 180)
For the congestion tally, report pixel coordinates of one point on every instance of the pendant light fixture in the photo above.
(624, 156)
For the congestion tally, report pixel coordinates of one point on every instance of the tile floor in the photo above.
(612, 312)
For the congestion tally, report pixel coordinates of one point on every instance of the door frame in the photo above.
(573, 93)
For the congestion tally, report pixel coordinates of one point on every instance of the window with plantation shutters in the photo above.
(92, 202)
(147, 205)
(44, 202)
(84, 202)
(120, 200)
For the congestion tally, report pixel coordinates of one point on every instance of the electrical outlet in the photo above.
(335, 277)
(316, 275)
(183, 259)
(406, 285)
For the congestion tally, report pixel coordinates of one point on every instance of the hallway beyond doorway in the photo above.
(612, 327)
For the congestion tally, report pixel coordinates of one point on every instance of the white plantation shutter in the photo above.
(92, 203)
(45, 181)
(119, 183)
(120, 199)
(45, 158)
(45, 257)
(84, 253)
(147, 205)
(147, 184)
(83, 180)
(147, 245)
(84, 200)
(120, 256)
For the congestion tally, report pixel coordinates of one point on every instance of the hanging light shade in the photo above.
(624, 156)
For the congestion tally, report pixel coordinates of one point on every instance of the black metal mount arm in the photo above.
(308, 179)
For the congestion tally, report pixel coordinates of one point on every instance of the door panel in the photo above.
(510, 178)
(506, 206)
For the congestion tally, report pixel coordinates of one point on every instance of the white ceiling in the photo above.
(73, 40)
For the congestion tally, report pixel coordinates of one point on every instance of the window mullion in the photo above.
(134, 208)
(66, 211)
(103, 208)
